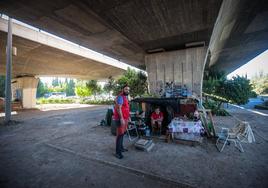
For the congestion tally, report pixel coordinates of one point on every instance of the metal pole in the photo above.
(8, 73)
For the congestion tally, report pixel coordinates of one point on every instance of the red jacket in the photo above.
(155, 116)
(125, 108)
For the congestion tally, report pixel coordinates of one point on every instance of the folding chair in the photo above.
(132, 126)
(235, 135)
(141, 126)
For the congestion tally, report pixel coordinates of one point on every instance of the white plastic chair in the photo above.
(132, 126)
(236, 135)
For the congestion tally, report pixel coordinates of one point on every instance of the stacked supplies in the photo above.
(144, 145)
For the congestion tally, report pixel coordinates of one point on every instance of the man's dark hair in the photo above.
(125, 85)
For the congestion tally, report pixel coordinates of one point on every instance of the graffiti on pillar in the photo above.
(159, 89)
(16, 88)
(173, 89)
(169, 89)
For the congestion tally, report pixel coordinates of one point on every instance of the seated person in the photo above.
(156, 119)
(139, 119)
(139, 116)
(136, 116)
(196, 116)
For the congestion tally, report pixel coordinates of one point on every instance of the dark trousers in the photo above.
(119, 144)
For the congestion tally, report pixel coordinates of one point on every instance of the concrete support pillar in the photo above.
(184, 67)
(24, 89)
(8, 73)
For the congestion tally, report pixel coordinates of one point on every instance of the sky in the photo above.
(253, 67)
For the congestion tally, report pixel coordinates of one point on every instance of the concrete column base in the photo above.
(24, 89)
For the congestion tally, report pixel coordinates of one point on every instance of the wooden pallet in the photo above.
(206, 117)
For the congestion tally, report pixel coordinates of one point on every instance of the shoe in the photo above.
(124, 150)
(119, 156)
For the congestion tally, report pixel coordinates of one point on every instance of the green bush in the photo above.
(98, 102)
(54, 101)
(214, 106)
(253, 94)
(69, 101)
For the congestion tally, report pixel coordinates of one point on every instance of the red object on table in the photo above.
(186, 109)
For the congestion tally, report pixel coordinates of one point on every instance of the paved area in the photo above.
(252, 102)
(66, 148)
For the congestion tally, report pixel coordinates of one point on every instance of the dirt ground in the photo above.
(67, 148)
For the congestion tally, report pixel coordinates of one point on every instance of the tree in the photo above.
(139, 85)
(260, 83)
(93, 86)
(213, 81)
(81, 89)
(137, 81)
(41, 89)
(70, 87)
(55, 82)
(2, 86)
(236, 90)
(109, 86)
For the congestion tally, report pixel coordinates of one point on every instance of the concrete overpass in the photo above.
(173, 39)
(124, 29)
(240, 34)
(41, 54)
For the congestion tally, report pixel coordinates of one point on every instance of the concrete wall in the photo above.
(181, 66)
(27, 87)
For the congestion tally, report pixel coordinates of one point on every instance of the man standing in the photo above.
(120, 118)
